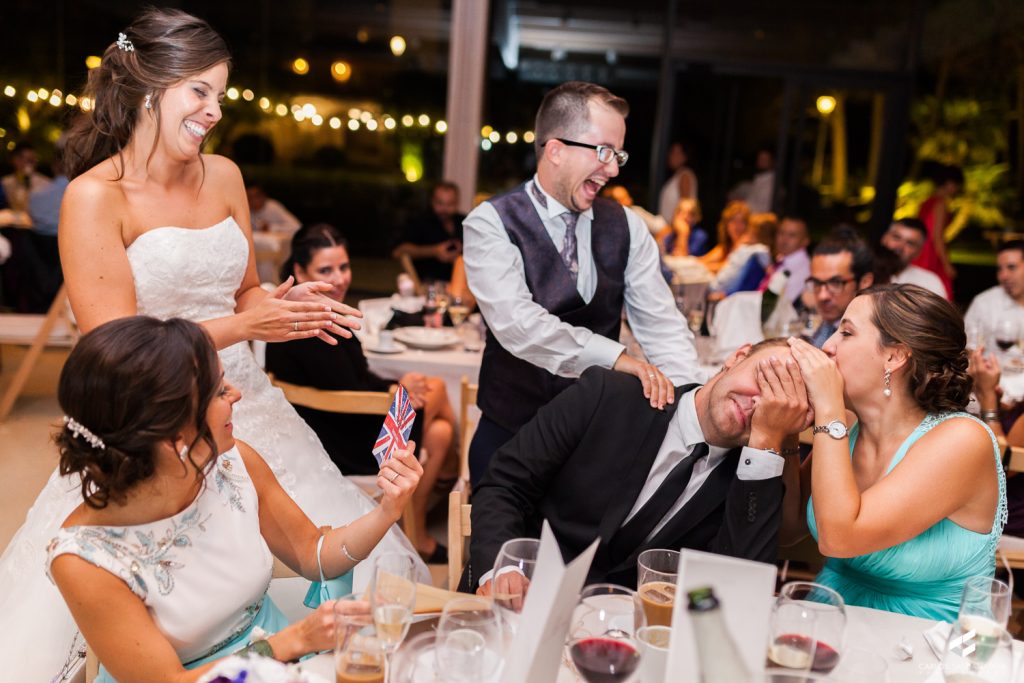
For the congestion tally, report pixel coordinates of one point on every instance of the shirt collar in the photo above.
(555, 208)
(688, 426)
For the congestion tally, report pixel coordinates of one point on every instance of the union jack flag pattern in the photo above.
(394, 434)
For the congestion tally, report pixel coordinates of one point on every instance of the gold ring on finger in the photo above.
(295, 326)
(392, 479)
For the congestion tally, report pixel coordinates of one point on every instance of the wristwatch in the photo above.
(836, 429)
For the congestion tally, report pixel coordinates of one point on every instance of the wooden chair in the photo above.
(351, 402)
(805, 553)
(460, 528)
(56, 329)
(467, 425)
(410, 270)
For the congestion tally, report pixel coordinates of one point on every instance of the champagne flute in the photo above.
(393, 597)
(468, 641)
(978, 656)
(518, 555)
(602, 637)
(359, 655)
(656, 573)
(829, 620)
(457, 310)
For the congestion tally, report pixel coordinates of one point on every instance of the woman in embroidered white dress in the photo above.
(165, 564)
(150, 225)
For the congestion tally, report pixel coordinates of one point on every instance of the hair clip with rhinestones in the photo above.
(80, 430)
(124, 44)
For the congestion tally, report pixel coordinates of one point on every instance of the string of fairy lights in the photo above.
(306, 114)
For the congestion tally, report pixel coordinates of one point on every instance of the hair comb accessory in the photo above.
(124, 44)
(80, 430)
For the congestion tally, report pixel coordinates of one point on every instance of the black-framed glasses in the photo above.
(604, 152)
(834, 286)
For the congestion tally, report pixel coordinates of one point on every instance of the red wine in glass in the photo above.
(1005, 344)
(825, 657)
(604, 660)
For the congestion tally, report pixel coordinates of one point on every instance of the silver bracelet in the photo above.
(990, 416)
(344, 550)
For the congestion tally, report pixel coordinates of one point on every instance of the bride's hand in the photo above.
(316, 291)
(275, 319)
(398, 478)
(821, 377)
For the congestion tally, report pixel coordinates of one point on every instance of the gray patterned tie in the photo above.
(568, 250)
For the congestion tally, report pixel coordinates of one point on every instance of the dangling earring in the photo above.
(888, 386)
(183, 453)
(148, 102)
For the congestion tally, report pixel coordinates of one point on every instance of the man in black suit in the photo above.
(599, 461)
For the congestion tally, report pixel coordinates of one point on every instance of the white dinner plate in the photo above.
(427, 337)
(395, 347)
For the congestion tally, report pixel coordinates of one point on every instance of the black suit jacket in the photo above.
(581, 463)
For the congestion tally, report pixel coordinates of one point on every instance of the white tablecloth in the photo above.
(866, 629)
(449, 364)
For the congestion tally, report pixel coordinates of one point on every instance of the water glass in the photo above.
(986, 598)
(981, 652)
(656, 572)
(829, 612)
(792, 636)
(416, 662)
(513, 570)
(469, 645)
(359, 655)
(603, 642)
(654, 644)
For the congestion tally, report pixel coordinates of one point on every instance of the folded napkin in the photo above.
(737, 321)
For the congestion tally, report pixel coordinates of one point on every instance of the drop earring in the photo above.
(183, 453)
(888, 384)
(148, 102)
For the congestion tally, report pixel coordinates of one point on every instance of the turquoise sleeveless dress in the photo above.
(923, 576)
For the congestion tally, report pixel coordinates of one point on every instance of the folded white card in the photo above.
(536, 653)
(744, 590)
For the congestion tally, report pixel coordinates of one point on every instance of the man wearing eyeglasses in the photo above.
(841, 266)
(552, 265)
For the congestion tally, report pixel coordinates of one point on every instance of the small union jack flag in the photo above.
(394, 434)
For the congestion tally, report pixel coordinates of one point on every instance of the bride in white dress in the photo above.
(152, 226)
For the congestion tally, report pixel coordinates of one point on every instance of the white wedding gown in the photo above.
(192, 274)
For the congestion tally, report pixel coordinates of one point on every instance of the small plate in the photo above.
(427, 337)
(396, 347)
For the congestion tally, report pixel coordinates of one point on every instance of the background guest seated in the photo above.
(747, 264)
(269, 215)
(320, 254)
(599, 461)
(842, 265)
(433, 240)
(1005, 301)
(684, 237)
(166, 563)
(732, 226)
(907, 237)
(908, 490)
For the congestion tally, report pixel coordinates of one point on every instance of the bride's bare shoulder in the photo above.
(220, 169)
(96, 189)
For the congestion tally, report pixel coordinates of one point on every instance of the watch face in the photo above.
(836, 429)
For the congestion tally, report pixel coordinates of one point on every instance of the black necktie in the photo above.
(633, 533)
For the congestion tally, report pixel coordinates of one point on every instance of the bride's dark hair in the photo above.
(134, 383)
(160, 49)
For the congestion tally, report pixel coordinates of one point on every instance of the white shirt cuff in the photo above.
(600, 351)
(756, 464)
(504, 570)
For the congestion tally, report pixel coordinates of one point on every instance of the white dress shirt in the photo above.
(990, 308)
(916, 275)
(798, 263)
(273, 217)
(496, 275)
(683, 435)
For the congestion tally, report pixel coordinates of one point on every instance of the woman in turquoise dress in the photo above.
(166, 563)
(909, 496)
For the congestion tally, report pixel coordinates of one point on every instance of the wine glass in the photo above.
(792, 635)
(415, 661)
(393, 597)
(1006, 334)
(602, 637)
(518, 555)
(829, 619)
(457, 310)
(695, 315)
(979, 653)
(656, 572)
(359, 655)
(987, 599)
(468, 641)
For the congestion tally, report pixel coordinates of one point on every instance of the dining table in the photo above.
(897, 638)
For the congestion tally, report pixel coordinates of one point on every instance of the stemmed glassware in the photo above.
(469, 641)
(978, 648)
(513, 570)
(808, 621)
(603, 633)
(792, 635)
(393, 598)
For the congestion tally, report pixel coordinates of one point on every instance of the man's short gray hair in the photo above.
(563, 112)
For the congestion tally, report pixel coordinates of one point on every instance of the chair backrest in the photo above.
(410, 270)
(460, 528)
(1013, 456)
(467, 425)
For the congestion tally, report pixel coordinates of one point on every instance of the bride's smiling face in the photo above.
(190, 110)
